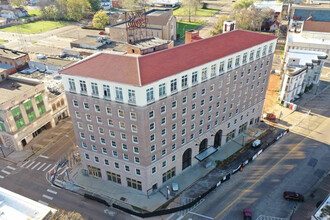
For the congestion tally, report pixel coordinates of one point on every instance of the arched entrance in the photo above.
(203, 145)
(217, 139)
(186, 159)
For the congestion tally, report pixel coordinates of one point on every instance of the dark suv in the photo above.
(293, 196)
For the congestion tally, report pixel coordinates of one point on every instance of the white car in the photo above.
(256, 143)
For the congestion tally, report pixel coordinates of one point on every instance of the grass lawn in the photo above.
(182, 26)
(199, 13)
(2, 41)
(36, 13)
(35, 27)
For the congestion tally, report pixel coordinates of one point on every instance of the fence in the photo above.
(195, 201)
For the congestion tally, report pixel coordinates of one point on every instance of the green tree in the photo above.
(190, 8)
(242, 4)
(17, 3)
(100, 19)
(218, 27)
(95, 4)
(77, 9)
(66, 215)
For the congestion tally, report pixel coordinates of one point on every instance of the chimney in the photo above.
(228, 26)
(191, 36)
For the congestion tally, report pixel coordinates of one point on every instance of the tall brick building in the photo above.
(142, 119)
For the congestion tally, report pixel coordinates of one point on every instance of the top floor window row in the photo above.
(175, 84)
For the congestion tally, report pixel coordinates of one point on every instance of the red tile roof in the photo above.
(145, 69)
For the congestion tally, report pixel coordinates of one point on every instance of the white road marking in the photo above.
(64, 170)
(30, 164)
(41, 166)
(35, 165)
(1, 177)
(47, 197)
(12, 168)
(52, 168)
(25, 163)
(51, 191)
(169, 217)
(46, 167)
(42, 202)
(43, 156)
(6, 172)
(203, 216)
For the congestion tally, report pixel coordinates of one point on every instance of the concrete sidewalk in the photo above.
(114, 192)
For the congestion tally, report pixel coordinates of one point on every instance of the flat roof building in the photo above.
(15, 206)
(141, 119)
(161, 24)
(14, 58)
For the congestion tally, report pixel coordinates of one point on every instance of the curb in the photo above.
(9, 160)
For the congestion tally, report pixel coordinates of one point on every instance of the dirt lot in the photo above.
(272, 94)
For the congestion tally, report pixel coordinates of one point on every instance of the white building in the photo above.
(15, 206)
(302, 69)
(321, 213)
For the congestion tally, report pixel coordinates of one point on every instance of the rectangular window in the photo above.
(133, 116)
(106, 91)
(258, 53)
(222, 67)
(168, 174)
(244, 58)
(230, 64)
(237, 61)
(114, 177)
(270, 49)
(131, 96)
(264, 50)
(16, 112)
(40, 104)
(95, 91)
(204, 73)
(83, 88)
(173, 85)
(150, 94)
(29, 110)
(251, 55)
(119, 94)
(134, 184)
(194, 78)
(184, 81)
(213, 70)
(72, 85)
(162, 90)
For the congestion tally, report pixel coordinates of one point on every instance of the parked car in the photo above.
(101, 33)
(247, 214)
(256, 143)
(293, 196)
(269, 116)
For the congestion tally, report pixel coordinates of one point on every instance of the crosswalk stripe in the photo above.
(47, 197)
(46, 167)
(12, 168)
(25, 163)
(30, 164)
(35, 165)
(1, 177)
(6, 172)
(41, 166)
(43, 156)
(51, 191)
(42, 202)
(52, 168)
(64, 170)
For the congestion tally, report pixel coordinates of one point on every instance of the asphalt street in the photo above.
(295, 163)
(29, 178)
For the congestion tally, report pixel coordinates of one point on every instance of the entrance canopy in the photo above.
(206, 153)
